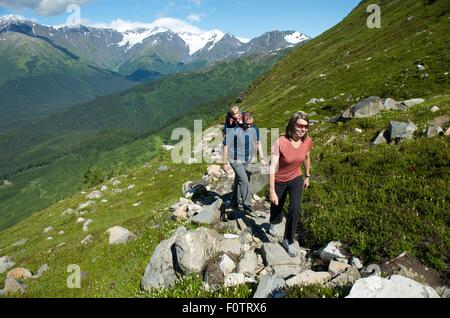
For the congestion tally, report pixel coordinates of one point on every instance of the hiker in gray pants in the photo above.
(239, 150)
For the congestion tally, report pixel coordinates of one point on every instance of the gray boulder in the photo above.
(20, 242)
(308, 277)
(6, 263)
(87, 240)
(119, 235)
(433, 130)
(349, 277)
(248, 263)
(160, 271)
(274, 254)
(381, 138)
(193, 249)
(94, 195)
(400, 130)
(287, 271)
(163, 169)
(413, 102)
(365, 108)
(267, 285)
(394, 287)
(232, 246)
(333, 251)
(209, 214)
(12, 286)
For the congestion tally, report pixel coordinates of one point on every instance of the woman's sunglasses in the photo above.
(300, 126)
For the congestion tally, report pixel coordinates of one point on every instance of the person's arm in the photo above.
(261, 153)
(307, 164)
(273, 169)
(226, 165)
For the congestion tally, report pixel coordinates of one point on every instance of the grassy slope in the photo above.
(386, 199)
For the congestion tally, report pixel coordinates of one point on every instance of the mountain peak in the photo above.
(12, 18)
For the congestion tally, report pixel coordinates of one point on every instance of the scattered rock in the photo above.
(6, 263)
(86, 225)
(48, 229)
(356, 262)
(287, 271)
(349, 277)
(435, 109)
(67, 211)
(333, 251)
(85, 205)
(274, 254)
(409, 266)
(234, 279)
(226, 265)
(180, 214)
(131, 187)
(61, 232)
(267, 285)
(160, 271)
(394, 287)
(163, 169)
(193, 249)
(232, 246)
(104, 188)
(447, 132)
(137, 204)
(19, 273)
(433, 130)
(441, 120)
(49, 238)
(87, 240)
(336, 268)
(115, 183)
(413, 102)
(308, 277)
(248, 263)
(94, 195)
(214, 171)
(399, 130)
(80, 220)
(209, 214)
(381, 138)
(20, 242)
(12, 286)
(119, 235)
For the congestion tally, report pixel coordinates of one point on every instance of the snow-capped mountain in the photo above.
(167, 45)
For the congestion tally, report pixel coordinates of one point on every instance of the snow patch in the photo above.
(296, 37)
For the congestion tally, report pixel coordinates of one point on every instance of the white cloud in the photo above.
(195, 17)
(197, 2)
(41, 7)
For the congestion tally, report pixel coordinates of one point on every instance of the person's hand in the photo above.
(273, 197)
(263, 162)
(306, 183)
(227, 168)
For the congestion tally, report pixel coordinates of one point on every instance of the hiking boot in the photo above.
(290, 248)
(272, 231)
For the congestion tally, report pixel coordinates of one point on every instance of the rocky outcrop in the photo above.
(160, 271)
(6, 263)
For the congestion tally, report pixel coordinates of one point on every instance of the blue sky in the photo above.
(244, 18)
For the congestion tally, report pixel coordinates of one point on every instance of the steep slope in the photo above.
(356, 61)
(37, 77)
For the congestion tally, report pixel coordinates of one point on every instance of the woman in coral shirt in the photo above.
(288, 154)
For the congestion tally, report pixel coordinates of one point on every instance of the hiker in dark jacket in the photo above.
(241, 144)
